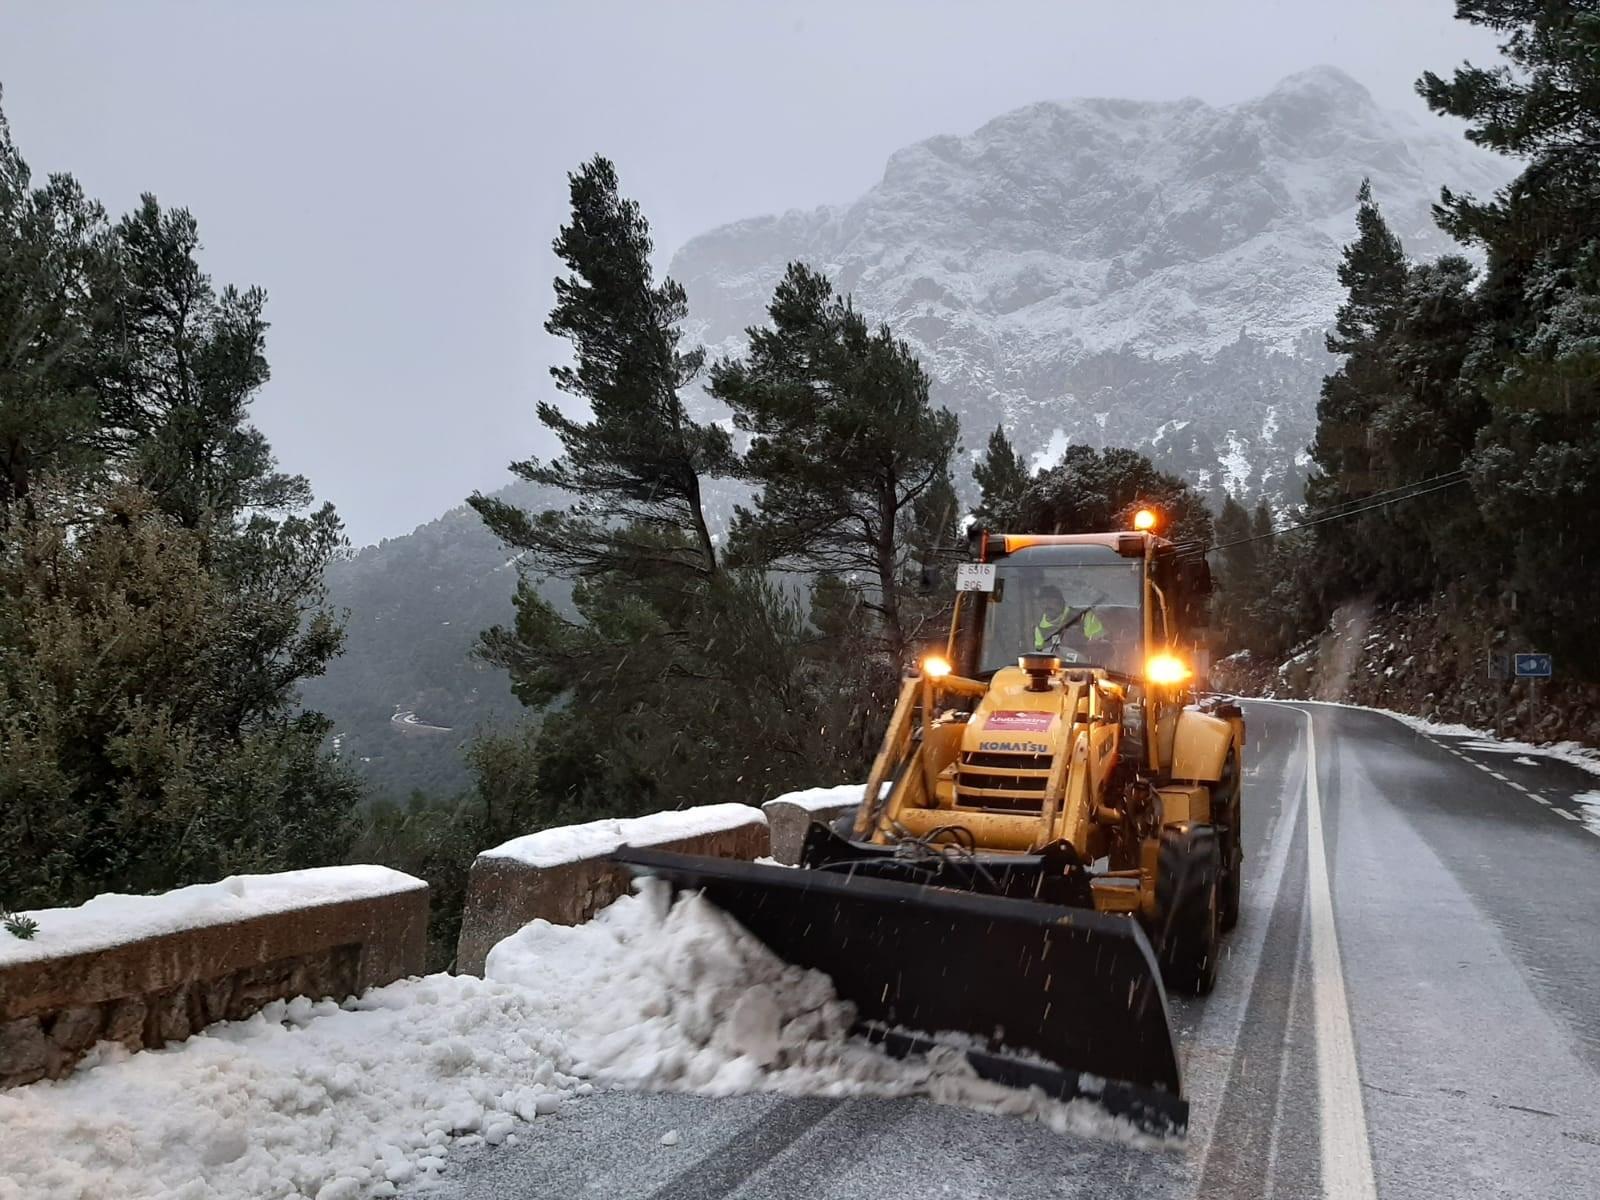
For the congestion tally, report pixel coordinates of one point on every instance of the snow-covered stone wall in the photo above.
(143, 971)
(564, 875)
(790, 815)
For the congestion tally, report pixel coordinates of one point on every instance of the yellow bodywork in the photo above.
(1034, 763)
(1027, 768)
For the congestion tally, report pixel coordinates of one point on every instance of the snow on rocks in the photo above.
(115, 920)
(571, 843)
(818, 799)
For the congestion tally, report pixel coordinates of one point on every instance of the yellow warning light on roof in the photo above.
(1145, 519)
(935, 666)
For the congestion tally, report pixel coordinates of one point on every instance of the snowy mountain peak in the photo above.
(1323, 84)
(1095, 269)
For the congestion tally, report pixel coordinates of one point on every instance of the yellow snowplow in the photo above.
(1050, 830)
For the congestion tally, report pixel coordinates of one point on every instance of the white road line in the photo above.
(1346, 1154)
(1540, 800)
(1561, 812)
(1500, 777)
(1222, 1024)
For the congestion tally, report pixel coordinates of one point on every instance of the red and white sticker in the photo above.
(1023, 720)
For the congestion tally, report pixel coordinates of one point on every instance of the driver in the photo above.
(1056, 612)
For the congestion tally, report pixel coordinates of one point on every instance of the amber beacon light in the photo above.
(1145, 520)
(1166, 668)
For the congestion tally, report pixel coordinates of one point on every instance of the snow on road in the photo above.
(335, 1102)
(304, 1099)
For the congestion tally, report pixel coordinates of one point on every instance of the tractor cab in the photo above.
(1126, 604)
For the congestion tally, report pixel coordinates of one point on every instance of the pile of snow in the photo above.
(334, 1102)
(572, 843)
(115, 920)
(304, 1099)
(674, 995)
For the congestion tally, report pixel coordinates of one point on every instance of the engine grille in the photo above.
(1002, 782)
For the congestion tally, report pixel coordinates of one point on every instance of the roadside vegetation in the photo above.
(1457, 455)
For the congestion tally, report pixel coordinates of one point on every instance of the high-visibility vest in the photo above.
(1093, 627)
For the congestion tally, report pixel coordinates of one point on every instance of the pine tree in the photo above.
(1239, 576)
(186, 364)
(1538, 104)
(1092, 491)
(54, 272)
(160, 584)
(671, 677)
(636, 466)
(140, 746)
(1003, 478)
(845, 442)
(1372, 271)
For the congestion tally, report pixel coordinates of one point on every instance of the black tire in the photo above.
(1229, 789)
(1187, 893)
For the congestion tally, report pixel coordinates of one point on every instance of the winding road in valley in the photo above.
(1410, 1007)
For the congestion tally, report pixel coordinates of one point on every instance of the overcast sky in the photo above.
(392, 173)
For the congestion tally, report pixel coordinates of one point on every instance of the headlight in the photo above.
(1166, 668)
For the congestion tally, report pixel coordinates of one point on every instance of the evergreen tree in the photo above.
(1260, 520)
(139, 749)
(1366, 422)
(54, 250)
(1373, 273)
(670, 678)
(636, 466)
(1092, 491)
(845, 443)
(1239, 577)
(186, 365)
(1532, 355)
(160, 584)
(1003, 478)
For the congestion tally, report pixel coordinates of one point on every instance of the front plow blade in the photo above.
(1076, 989)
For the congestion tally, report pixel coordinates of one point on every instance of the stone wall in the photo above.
(505, 892)
(789, 822)
(150, 991)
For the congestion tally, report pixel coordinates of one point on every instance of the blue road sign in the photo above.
(1534, 666)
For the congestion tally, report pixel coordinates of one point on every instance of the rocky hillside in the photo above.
(1117, 272)
(1435, 660)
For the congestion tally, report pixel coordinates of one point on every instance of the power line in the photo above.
(1332, 509)
(1341, 515)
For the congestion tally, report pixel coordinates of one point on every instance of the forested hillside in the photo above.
(1457, 448)
(408, 693)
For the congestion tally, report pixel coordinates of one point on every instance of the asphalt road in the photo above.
(1410, 1007)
